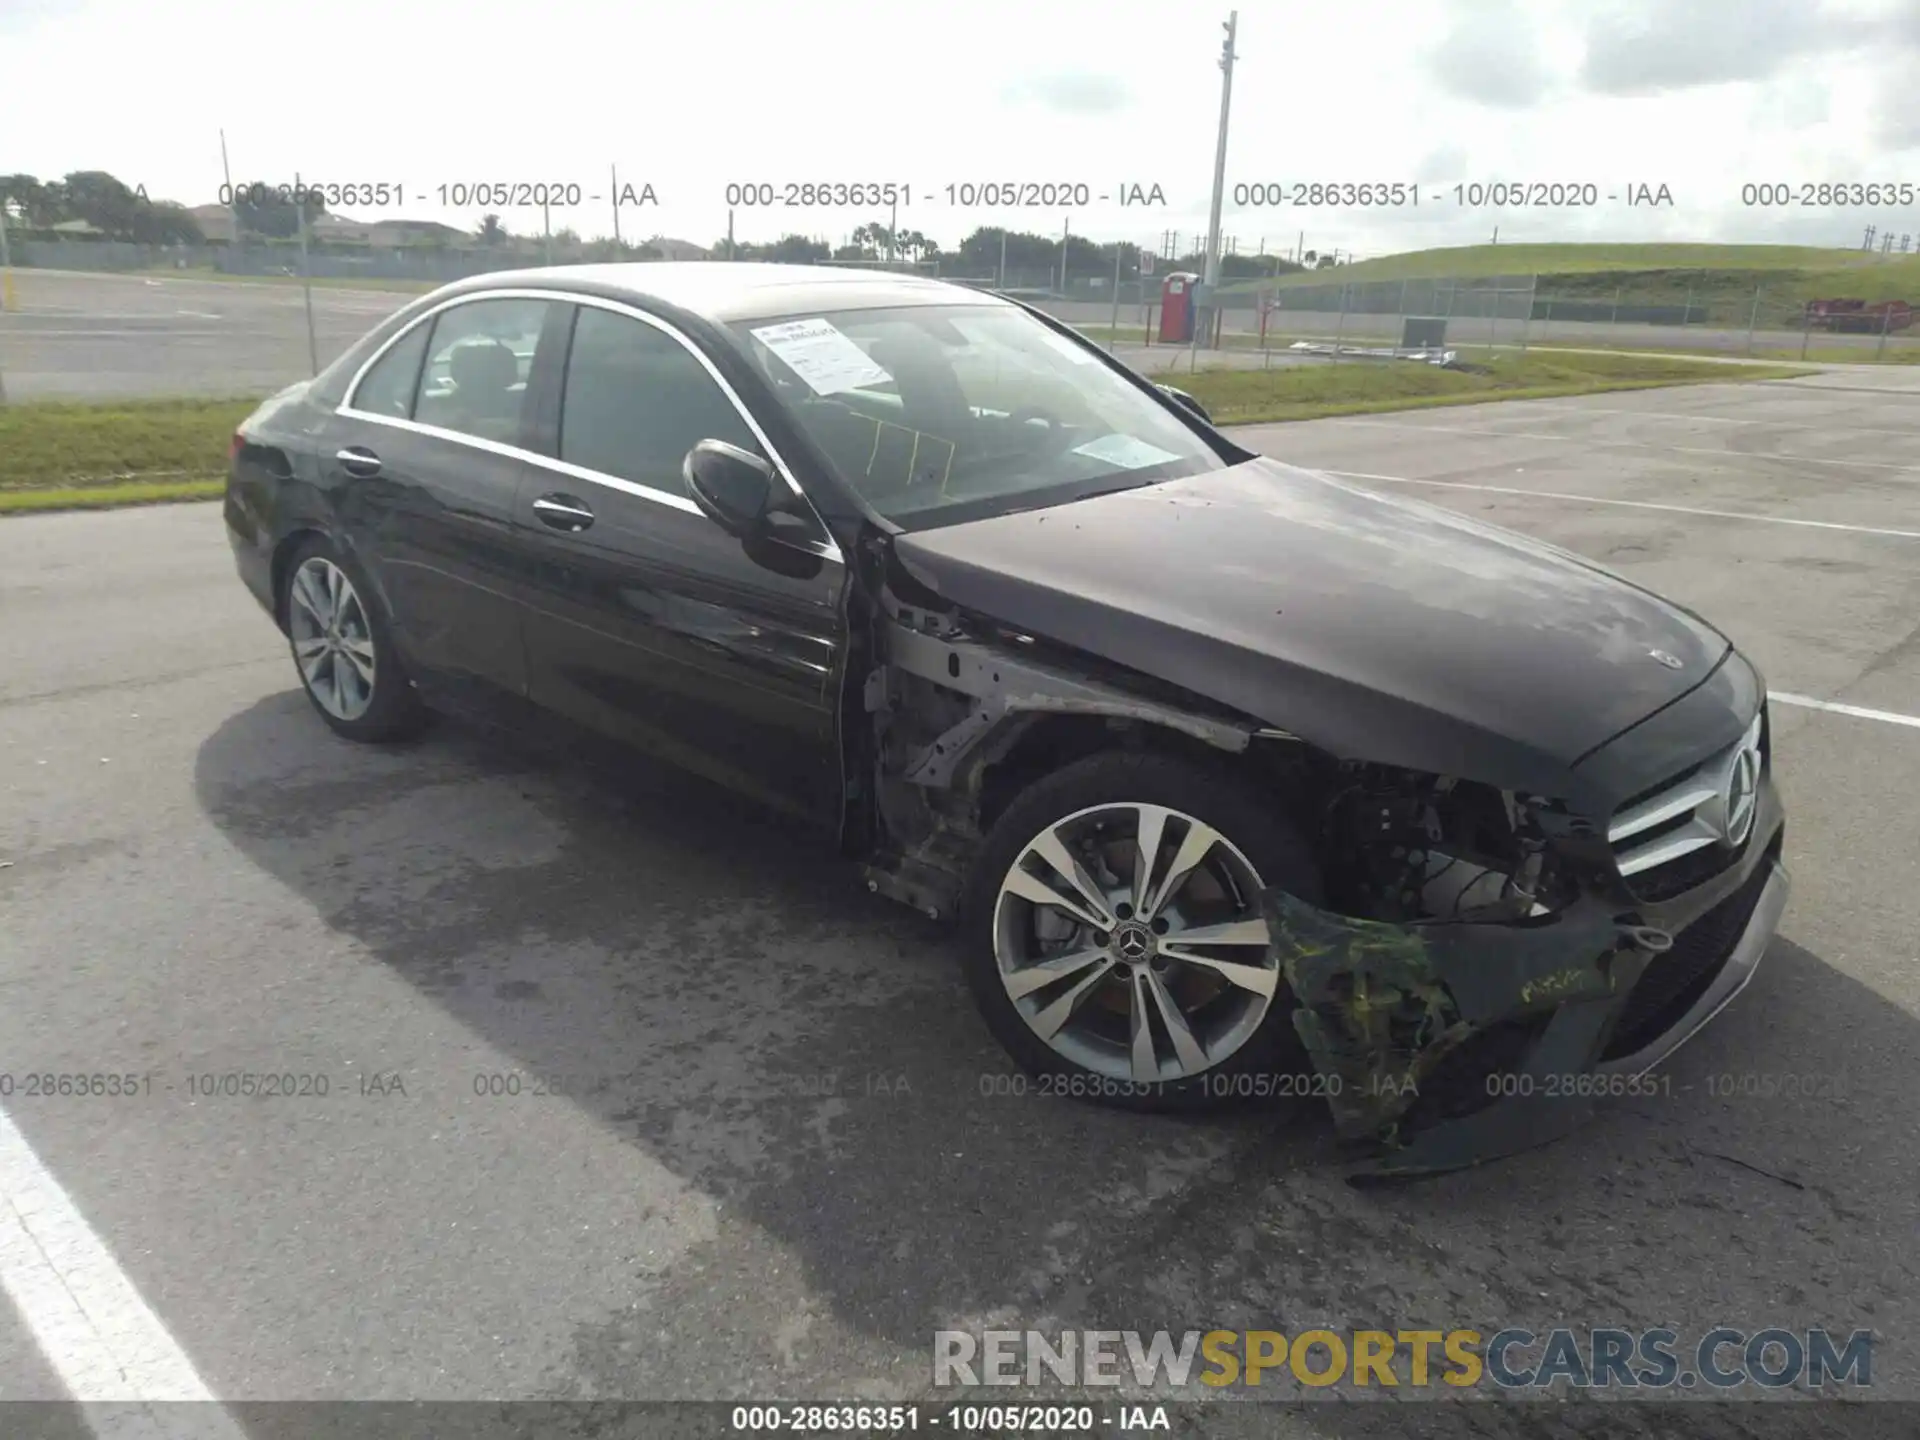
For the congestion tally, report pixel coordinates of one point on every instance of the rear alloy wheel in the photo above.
(343, 651)
(1125, 942)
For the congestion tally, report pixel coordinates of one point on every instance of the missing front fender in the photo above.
(1384, 1008)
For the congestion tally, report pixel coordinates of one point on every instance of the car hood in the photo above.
(1377, 627)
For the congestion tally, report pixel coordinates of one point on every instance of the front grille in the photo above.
(1672, 982)
(1677, 877)
(1673, 836)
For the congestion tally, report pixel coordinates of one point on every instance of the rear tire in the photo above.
(343, 648)
(1065, 986)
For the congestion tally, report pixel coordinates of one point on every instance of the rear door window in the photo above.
(387, 389)
(478, 360)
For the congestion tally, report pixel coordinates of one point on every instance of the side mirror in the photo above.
(1187, 400)
(732, 487)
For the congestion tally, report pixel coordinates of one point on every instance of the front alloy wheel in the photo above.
(1125, 944)
(1129, 938)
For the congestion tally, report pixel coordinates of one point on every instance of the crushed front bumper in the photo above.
(1446, 1044)
(1732, 977)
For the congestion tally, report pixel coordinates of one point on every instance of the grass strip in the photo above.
(1308, 392)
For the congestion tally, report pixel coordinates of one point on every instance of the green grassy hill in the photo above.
(1474, 261)
(1722, 278)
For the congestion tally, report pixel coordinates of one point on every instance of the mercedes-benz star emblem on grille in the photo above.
(1743, 788)
(1672, 662)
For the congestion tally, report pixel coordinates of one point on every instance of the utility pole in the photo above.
(233, 197)
(306, 272)
(6, 262)
(1066, 229)
(1211, 278)
(1003, 257)
(613, 172)
(6, 282)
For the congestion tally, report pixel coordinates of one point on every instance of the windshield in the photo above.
(943, 413)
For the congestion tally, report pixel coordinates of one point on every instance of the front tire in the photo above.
(1115, 941)
(343, 648)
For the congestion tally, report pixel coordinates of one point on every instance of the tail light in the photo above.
(235, 446)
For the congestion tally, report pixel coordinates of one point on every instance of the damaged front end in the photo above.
(1448, 1043)
(1467, 987)
(1475, 993)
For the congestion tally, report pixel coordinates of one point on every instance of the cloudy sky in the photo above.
(1698, 95)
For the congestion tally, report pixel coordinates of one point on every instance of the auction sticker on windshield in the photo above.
(820, 355)
(1125, 451)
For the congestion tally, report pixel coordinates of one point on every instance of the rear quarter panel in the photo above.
(275, 487)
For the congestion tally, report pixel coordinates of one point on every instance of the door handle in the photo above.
(563, 512)
(358, 460)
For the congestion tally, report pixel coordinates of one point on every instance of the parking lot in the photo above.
(100, 336)
(87, 336)
(75, 336)
(766, 1159)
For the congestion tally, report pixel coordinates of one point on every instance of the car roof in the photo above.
(724, 291)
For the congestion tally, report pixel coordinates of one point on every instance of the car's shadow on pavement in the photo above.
(714, 987)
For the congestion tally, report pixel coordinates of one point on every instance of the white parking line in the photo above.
(1647, 414)
(85, 1315)
(152, 333)
(1631, 504)
(1593, 442)
(1909, 432)
(1891, 717)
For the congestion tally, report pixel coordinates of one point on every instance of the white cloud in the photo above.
(1111, 93)
(1491, 55)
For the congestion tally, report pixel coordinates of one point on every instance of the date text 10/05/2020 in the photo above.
(1467, 195)
(452, 195)
(953, 1419)
(966, 194)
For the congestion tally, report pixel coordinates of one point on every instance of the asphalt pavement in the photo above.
(83, 336)
(86, 336)
(629, 1093)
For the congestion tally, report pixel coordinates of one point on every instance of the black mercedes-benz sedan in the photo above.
(1241, 781)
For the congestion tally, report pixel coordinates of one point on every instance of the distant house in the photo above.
(76, 227)
(671, 249)
(215, 222)
(417, 232)
(338, 230)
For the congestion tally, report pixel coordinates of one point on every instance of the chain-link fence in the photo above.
(1722, 314)
(95, 318)
(265, 316)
